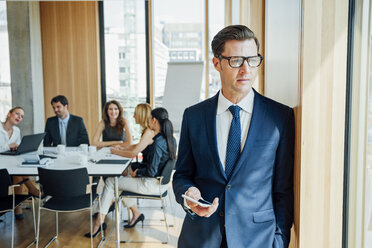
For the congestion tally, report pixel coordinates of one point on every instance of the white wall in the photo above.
(282, 50)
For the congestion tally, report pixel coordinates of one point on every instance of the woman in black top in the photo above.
(113, 127)
(141, 180)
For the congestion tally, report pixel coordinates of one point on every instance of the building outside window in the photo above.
(125, 55)
(5, 90)
(179, 29)
(216, 23)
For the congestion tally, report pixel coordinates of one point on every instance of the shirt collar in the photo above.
(65, 121)
(246, 103)
(2, 128)
(156, 136)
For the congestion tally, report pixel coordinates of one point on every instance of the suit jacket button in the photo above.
(221, 213)
(228, 187)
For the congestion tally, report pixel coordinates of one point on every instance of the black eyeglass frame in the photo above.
(244, 58)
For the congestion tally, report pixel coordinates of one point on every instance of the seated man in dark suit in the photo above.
(64, 128)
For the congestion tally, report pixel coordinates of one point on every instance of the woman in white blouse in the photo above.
(10, 138)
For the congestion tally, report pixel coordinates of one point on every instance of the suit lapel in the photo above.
(68, 129)
(210, 120)
(255, 128)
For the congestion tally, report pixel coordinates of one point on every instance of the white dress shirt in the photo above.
(223, 122)
(5, 140)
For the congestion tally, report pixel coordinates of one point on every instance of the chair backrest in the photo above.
(5, 182)
(167, 171)
(64, 183)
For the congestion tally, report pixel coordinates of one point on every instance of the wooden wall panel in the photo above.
(71, 58)
(323, 83)
(252, 14)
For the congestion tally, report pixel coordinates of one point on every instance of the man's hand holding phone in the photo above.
(201, 208)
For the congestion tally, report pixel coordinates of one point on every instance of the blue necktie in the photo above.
(233, 141)
(63, 134)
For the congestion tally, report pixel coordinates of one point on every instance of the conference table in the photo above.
(73, 158)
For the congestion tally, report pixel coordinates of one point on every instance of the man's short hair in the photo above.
(232, 32)
(62, 99)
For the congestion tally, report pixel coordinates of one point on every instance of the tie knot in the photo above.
(234, 109)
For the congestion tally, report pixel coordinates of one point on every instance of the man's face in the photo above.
(60, 110)
(236, 82)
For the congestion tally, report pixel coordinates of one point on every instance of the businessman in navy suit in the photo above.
(64, 128)
(236, 151)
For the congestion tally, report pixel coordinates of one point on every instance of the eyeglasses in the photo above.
(238, 61)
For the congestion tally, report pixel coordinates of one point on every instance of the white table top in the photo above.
(69, 160)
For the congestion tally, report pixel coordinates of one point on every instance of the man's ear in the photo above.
(217, 63)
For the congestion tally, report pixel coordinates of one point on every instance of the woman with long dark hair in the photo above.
(142, 178)
(113, 127)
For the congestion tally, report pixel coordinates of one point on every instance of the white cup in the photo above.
(84, 148)
(61, 149)
(92, 150)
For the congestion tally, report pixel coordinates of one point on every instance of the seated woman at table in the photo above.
(142, 179)
(141, 115)
(113, 127)
(10, 138)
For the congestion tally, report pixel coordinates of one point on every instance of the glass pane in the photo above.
(368, 178)
(216, 23)
(125, 55)
(5, 91)
(178, 37)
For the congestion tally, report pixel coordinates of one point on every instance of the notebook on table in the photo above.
(112, 161)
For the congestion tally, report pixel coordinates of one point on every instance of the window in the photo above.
(125, 36)
(216, 23)
(5, 90)
(178, 35)
(121, 55)
(179, 28)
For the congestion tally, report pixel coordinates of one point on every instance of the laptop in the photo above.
(29, 143)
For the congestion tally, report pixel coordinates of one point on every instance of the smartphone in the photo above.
(200, 202)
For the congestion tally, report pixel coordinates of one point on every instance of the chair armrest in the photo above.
(89, 188)
(11, 187)
(160, 178)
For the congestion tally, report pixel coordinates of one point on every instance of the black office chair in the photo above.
(66, 191)
(9, 200)
(164, 179)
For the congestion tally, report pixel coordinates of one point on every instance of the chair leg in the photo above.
(165, 219)
(102, 231)
(55, 237)
(13, 228)
(91, 221)
(38, 224)
(56, 224)
(172, 210)
(33, 217)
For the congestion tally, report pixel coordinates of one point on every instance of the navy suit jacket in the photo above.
(256, 203)
(76, 132)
